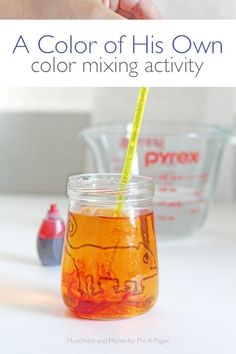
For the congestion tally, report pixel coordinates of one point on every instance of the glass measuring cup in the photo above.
(110, 267)
(182, 158)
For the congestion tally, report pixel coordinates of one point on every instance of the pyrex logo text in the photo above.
(170, 158)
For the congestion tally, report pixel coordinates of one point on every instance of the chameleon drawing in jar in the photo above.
(110, 266)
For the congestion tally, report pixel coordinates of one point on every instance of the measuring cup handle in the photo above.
(83, 138)
(232, 140)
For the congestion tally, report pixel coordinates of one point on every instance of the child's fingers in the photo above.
(106, 3)
(114, 5)
(140, 9)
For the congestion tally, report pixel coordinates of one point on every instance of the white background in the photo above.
(218, 70)
(195, 312)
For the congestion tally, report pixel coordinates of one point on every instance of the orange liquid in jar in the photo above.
(110, 267)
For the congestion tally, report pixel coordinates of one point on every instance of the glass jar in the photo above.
(110, 266)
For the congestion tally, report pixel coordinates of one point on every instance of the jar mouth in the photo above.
(108, 184)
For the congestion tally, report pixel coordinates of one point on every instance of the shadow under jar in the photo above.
(110, 265)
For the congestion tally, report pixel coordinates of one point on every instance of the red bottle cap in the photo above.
(53, 208)
(52, 226)
(53, 212)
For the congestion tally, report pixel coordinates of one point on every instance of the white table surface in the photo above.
(195, 313)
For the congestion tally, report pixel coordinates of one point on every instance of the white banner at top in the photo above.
(112, 53)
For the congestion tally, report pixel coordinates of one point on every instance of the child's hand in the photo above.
(134, 9)
(78, 9)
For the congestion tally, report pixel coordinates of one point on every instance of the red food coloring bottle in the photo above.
(51, 238)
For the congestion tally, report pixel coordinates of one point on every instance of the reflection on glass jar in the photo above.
(110, 267)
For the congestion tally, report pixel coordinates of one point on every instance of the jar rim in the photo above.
(108, 184)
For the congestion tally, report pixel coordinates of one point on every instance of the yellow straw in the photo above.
(132, 146)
